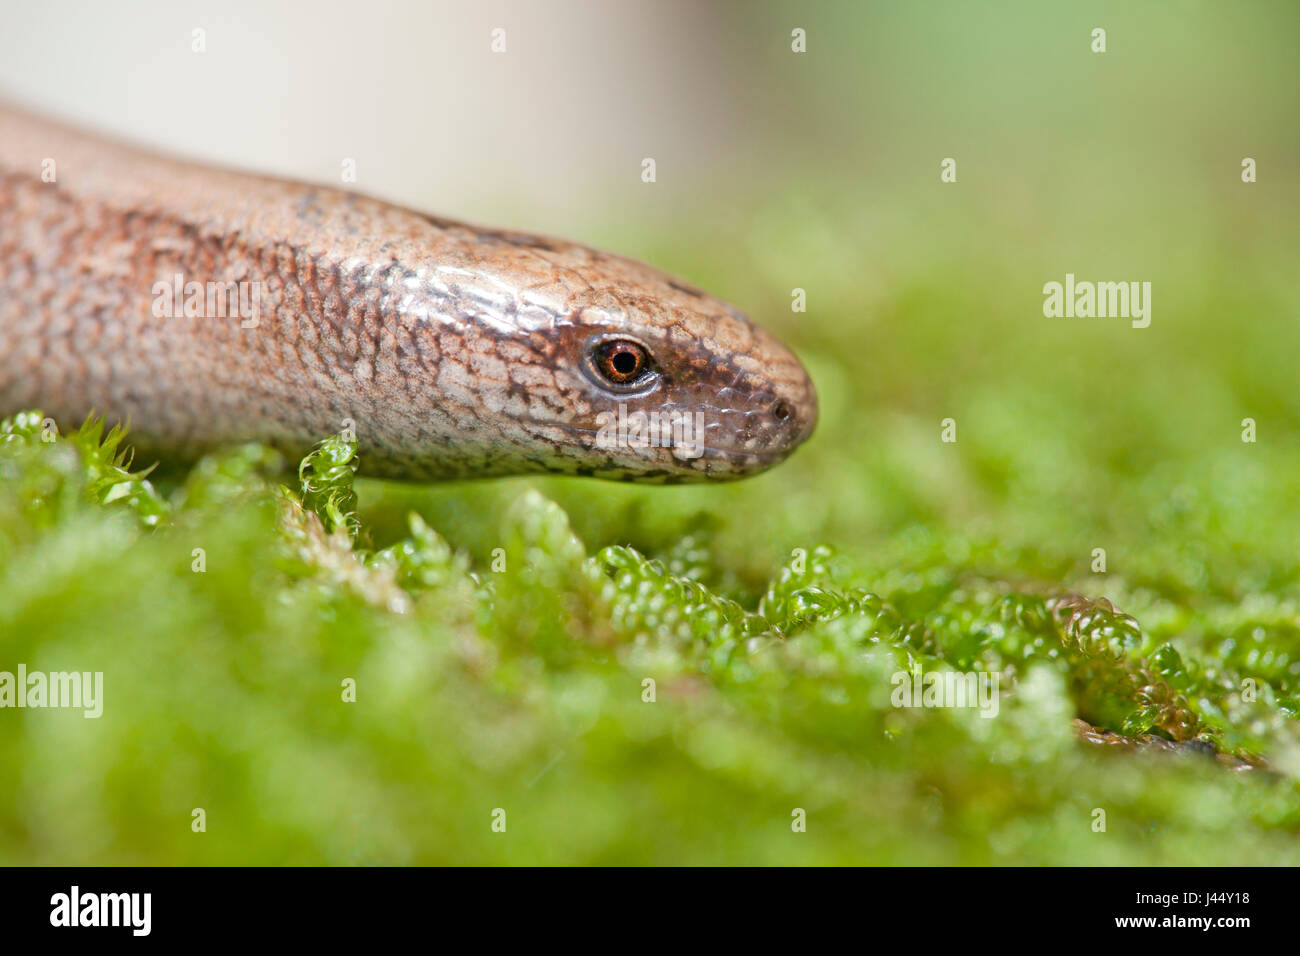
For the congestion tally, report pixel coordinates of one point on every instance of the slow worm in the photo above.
(205, 306)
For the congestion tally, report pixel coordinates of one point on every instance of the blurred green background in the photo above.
(522, 689)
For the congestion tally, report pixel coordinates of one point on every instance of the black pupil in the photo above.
(624, 362)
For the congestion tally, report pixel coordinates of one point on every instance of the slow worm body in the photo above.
(205, 307)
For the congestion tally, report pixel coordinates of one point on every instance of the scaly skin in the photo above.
(455, 351)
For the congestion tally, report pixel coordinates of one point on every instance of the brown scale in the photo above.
(369, 312)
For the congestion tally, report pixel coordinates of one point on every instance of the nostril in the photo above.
(782, 411)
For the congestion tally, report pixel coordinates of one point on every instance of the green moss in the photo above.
(618, 707)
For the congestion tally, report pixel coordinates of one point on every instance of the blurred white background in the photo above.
(548, 135)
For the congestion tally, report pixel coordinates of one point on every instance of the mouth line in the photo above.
(765, 455)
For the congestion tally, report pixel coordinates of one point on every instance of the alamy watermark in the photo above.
(683, 432)
(1125, 300)
(179, 299)
(917, 688)
(83, 689)
(130, 910)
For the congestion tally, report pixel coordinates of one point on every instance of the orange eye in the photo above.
(621, 362)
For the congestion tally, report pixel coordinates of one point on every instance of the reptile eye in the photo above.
(620, 362)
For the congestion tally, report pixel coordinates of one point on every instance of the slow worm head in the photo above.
(206, 306)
